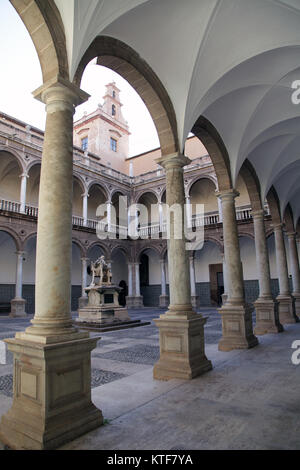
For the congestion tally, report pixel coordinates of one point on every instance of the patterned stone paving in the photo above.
(98, 377)
(138, 354)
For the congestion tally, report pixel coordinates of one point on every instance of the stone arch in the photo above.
(142, 193)
(29, 237)
(122, 59)
(198, 178)
(274, 206)
(148, 247)
(210, 238)
(32, 164)
(117, 190)
(16, 155)
(212, 141)
(45, 27)
(289, 219)
(80, 181)
(251, 181)
(82, 249)
(246, 235)
(102, 187)
(125, 252)
(103, 247)
(14, 235)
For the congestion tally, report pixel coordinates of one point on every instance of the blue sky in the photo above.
(21, 74)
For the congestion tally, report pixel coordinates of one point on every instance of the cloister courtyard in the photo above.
(242, 403)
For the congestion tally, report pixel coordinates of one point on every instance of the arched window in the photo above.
(113, 110)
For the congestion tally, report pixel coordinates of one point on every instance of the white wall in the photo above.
(8, 259)
(209, 254)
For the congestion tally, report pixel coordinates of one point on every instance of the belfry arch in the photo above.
(123, 60)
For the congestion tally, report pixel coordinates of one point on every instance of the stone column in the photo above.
(160, 209)
(164, 298)
(137, 298)
(129, 298)
(18, 303)
(188, 211)
(294, 261)
(83, 300)
(224, 295)
(266, 309)
(23, 177)
(181, 330)
(237, 325)
(285, 300)
(194, 297)
(108, 209)
(52, 387)
(85, 208)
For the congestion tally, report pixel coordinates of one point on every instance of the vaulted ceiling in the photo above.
(231, 61)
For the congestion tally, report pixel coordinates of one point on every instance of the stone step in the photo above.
(111, 326)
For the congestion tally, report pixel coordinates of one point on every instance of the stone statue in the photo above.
(100, 268)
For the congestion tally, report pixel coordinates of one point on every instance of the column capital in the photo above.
(277, 226)
(174, 160)
(59, 94)
(258, 214)
(227, 194)
(84, 258)
(291, 235)
(20, 253)
(24, 175)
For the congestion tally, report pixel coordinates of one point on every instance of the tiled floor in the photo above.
(250, 400)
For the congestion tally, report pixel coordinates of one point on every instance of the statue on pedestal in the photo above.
(101, 269)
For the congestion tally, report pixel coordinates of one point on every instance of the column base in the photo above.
(164, 301)
(237, 327)
(52, 394)
(134, 301)
(296, 298)
(195, 301)
(286, 309)
(224, 298)
(82, 302)
(17, 308)
(267, 320)
(182, 353)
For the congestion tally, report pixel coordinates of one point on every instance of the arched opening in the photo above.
(97, 196)
(150, 277)
(76, 276)
(119, 268)
(33, 185)
(203, 202)
(119, 210)
(29, 273)
(148, 212)
(77, 197)
(10, 172)
(8, 248)
(209, 274)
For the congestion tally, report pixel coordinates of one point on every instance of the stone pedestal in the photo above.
(195, 301)
(267, 320)
(164, 301)
(50, 409)
(285, 309)
(296, 298)
(17, 308)
(103, 306)
(181, 342)
(134, 301)
(82, 302)
(237, 327)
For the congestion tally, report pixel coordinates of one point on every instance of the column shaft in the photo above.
(285, 300)
(266, 312)
(294, 261)
(24, 177)
(85, 208)
(237, 325)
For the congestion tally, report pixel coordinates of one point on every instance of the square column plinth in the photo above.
(237, 327)
(52, 394)
(267, 320)
(286, 309)
(182, 353)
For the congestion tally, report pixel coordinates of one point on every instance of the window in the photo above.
(113, 94)
(113, 110)
(113, 144)
(84, 143)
